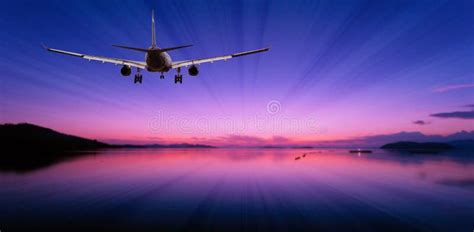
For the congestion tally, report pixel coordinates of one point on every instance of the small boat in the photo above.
(360, 151)
(304, 155)
(297, 158)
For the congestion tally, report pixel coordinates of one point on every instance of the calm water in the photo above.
(242, 190)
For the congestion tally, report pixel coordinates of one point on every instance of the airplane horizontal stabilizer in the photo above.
(131, 48)
(174, 48)
(148, 49)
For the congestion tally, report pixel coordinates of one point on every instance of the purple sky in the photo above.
(337, 69)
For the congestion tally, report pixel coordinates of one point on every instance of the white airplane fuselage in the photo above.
(158, 61)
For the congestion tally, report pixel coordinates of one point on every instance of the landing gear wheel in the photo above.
(162, 76)
(138, 78)
(178, 79)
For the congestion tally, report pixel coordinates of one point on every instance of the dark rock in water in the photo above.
(414, 147)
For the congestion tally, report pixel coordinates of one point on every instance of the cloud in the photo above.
(469, 106)
(242, 140)
(455, 114)
(280, 140)
(469, 182)
(245, 141)
(421, 122)
(447, 88)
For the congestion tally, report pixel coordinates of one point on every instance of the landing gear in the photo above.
(138, 77)
(178, 78)
(162, 76)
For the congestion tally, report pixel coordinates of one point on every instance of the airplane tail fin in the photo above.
(153, 33)
(153, 40)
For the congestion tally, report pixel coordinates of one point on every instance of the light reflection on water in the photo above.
(242, 190)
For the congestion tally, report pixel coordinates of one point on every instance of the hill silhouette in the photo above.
(29, 137)
(414, 147)
(27, 147)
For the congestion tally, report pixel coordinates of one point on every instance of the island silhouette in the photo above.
(414, 147)
(27, 146)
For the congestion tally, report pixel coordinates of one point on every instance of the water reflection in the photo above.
(24, 162)
(242, 190)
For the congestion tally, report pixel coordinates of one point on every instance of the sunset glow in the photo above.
(334, 72)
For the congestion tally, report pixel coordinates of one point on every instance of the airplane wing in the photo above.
(131, 63)
(187, 63)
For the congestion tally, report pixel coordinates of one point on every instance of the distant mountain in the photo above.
(377, 140)
(24, 136)
(462, 135)
(414, 147)
(27, 147)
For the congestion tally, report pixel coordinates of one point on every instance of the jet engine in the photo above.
(193, 70)
(125, 70)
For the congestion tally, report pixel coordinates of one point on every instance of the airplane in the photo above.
(156, 59)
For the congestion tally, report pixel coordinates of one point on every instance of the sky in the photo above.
(336, 70)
